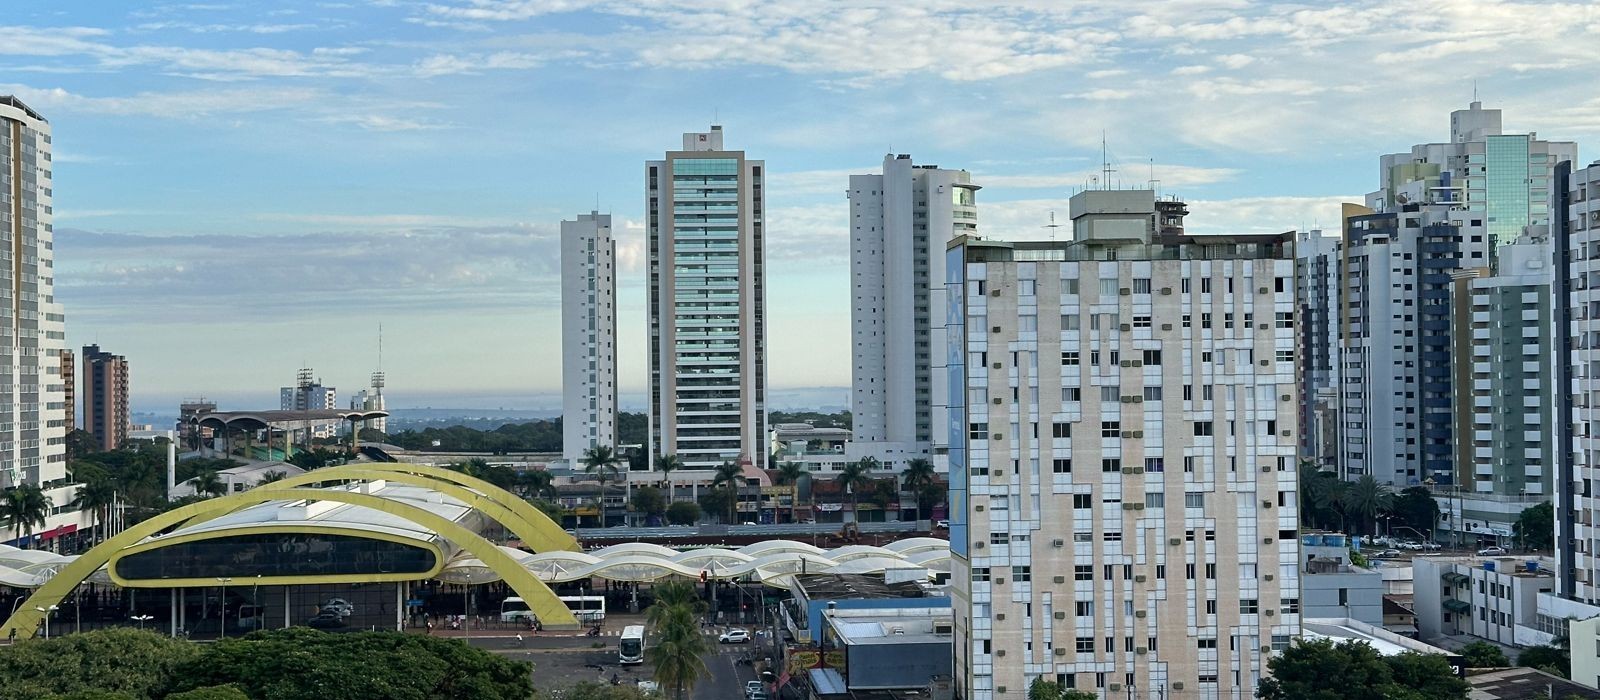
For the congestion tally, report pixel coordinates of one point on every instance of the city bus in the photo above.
(631, 649)
(589, 609)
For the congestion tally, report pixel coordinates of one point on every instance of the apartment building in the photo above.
(588, 335)
(900, 222)
(1122, 456)
(1576, 238)
(105, 397)
(707, 306)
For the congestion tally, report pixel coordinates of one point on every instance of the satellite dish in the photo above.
(1402, 198)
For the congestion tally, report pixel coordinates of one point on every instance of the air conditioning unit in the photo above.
(1127, 506)
(999, 652)
(1061, 651)
(1264, 363)
(1166, 326)
(1268, 612)
(1266, 468)
(1000, 689)
(1166, 291)
(1115, 687)
(1058, 543)
(1125, 435)
(1266, 504)
(1000, 617)
(1139, 650)
(1137, 363)
(978, 545)
(1285, 397)
(1285, 433)
(1126, 363)
(1127, 470)
(1177, 685)
(1058, 579)
(997, 401)
(1263, 290)
(1267, 541)
(1269, 578)
(997, 437)
(1125, 291)
(996, 365)
(1139, 614)
(1138, 433)
(1138, 399)
(1266, 649)
(994, 293)
(1126, 327)
(1262, 327)
(1137, 470)
(1127, 399)
(1138, 506)
(1174, 541)
(1139, 578)
(996, 329)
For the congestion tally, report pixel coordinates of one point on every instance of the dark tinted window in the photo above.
(281, 554)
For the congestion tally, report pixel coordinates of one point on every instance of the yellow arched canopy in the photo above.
(538, 596)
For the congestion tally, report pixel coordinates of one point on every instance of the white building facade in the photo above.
(1122, 460)
(33, 414)
(1576, 237)
(588, 335)
(705, 236)
(900, 222)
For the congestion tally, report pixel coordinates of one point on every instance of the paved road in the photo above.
(561, 660)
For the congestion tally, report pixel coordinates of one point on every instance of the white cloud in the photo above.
(1236, 60)
(443, 64)
(1101, 94)
(177, 105)
(1169, 175)
(1191, 70)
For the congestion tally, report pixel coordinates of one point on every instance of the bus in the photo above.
(589, 609)
(631, 649)
(515, 609)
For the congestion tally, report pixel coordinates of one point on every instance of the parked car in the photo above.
(943, 524)
(753, 687)
(734, 636)
(1410, 546)
(340, 606)
(1492, 552)
(1430, 546)
(1387, 553)
(326, 620)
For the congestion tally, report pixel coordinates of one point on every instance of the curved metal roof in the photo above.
(256, 420)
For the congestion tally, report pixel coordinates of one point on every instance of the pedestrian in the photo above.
(11, 637)
(430, 625)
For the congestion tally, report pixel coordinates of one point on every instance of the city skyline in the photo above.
(474, 128)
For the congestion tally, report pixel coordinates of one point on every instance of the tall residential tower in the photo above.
(900, 222)
(707, 304)
(1122, 456)
(105, 397)
(32, 402)
(588, 335)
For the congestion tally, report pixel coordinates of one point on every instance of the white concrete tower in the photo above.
(33, 412)
(900, 221)
(588, 335)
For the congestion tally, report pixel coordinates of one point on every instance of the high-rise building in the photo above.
(32, 411)
(308, 394)
(588, 335)
(707, 305)
(900, 222)
(1575, 235)
(1317, 264)
(69, 388)
(1502, 179)
(105, 400)
(371, 399)
(1122, 456)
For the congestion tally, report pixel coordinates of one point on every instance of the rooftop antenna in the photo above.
(1052, 226)
(1105, 163)
(1474, 90)
(1155, 185)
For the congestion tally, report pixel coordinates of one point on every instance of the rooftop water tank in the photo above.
(1488, 566)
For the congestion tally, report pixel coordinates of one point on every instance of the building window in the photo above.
(1155, 500)
(1062, 466)
(978, 431)
(1086, 645)
(1022, 573)
(1110, 428)
(1108, 287)
(1069, 358)
(1286, 319)
(1061, 430)
(980, 574)
(1141, 285)
(1069, 322)
(1071, 394)
(1152, 357)
(1025, 288)
(1194, 500)
(1083, 572)
(1247, 606)
(1082, 501)
(1110, 394)
(1154, 464)
(1141, 321)
(1202, 428)
(1111, 465)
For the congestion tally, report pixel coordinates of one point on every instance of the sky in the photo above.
(246, 188)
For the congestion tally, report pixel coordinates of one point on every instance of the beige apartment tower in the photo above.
(105, 397)
(707, 304)
(1122, 461)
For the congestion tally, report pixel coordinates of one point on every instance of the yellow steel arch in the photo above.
(440, 557)
(539, 597)
(534, 534)
(547, 534)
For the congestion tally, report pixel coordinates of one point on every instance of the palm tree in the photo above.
(1365, 498)
(98, 497)
(728, 475)
(854, 477)
(667, 464)
(208, 482)
(918, 475)
(537, 481)
(23, 508)
(1328, 494)
(601, 462)
(790, 473)
(679, 648)
(272, 477)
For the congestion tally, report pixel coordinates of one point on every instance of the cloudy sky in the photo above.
(245, 188)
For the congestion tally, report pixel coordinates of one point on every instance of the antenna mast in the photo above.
(1105, 164)
(1052, 226)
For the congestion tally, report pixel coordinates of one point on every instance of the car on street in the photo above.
(1492, 552)
(757, 696)
(753, 687)
(1387, 553)
(340, 606)
(326, 620)
(943, 524)
(734, 636)
(1410, 546)
(1431, 546)
(747, 523)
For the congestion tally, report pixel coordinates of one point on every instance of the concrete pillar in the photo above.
(172, 462)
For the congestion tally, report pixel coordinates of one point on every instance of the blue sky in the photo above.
(245, 188)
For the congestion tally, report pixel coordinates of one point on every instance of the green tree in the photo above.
(1051, 690)
(854, 477)
(592, 690)
(552, 510)
(718, 501)
(1548, 658)
(273, 476)
(1364, 499)
(602, 463)
(215, 692)
(316, 458)
(1535, 527)
(1323, 670)
(209, 483)
(679, 649)
(1416, 508)
(649, 501)
(1484, 655)
(119, 660)
(683, 513)
(536, 483)
(98, 498)
(916, 478)
(23, 508)
(667, 464)
(730, 477)
(80, 443)
(789, 474)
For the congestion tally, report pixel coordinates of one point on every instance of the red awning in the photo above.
(57, 532)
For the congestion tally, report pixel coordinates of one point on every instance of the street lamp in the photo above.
(47, 612)
(222, 606)
(141, 619)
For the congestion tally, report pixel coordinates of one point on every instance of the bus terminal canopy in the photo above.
(380, 522)
(281, 420)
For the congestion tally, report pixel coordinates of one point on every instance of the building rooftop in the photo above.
(1521, 567)
(1524, 684)
(1275, 246)
(936, 626)
(854, 587)
(1385, 642)
(12, 101)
